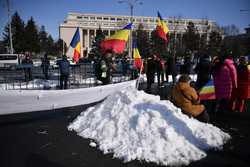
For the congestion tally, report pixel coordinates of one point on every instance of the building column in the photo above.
(87, 44)
(81, 41)
(181, 43)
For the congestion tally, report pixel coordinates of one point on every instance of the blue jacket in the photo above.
(64, 66)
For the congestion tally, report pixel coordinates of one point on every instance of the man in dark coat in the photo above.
(104, 66)
(171, 68)
(45, 66)
(150, 72)
(159, 67)
(64, 66)
(203, 70)
(27, 64)
(187, 66)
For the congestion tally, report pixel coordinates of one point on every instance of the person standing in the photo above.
(225, 82)
(45, 66)
(150, 72)
(243, 80)
(203, 70)
(187, 66)
(64, 67)
(105, 67)
(27, 64)
(159, 67)
(171, 68)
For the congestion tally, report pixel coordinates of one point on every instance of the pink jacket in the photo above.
(225, 79)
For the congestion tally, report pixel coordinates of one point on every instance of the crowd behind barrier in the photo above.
(81, 75)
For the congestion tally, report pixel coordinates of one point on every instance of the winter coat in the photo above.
(64, 66)
(243, 80)
(185, 97)
(186, 68)
(203, 70)
(150, 70)
(45, 64)
(225, 79)
(171, 67)
(105, 68)
(27, 63)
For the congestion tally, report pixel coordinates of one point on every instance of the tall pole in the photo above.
(131, 4)
(131, 31)
(10, 33)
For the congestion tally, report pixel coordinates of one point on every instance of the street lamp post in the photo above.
(10, 33)
(131, 4)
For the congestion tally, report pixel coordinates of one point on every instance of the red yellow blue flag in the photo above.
(117, 41)
(136, 56)
(75, 43)
(161, 28)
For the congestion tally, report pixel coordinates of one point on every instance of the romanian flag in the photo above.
(161, 28)
(207, 92)
(137, 57)
(117, 41)
(75, 43)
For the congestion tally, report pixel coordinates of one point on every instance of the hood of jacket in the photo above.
(183, 85)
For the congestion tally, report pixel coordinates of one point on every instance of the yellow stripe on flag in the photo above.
(163, 25)
(78, 47)
(120, 35)
(136, 54)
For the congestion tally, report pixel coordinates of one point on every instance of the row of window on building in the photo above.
(139, 20)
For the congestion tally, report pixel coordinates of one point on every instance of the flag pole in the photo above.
(138, 79)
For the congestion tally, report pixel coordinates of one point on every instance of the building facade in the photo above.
(89, 23)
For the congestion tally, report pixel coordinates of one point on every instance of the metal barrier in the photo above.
(81, 75)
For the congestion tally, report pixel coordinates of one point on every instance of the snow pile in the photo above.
(135, 125)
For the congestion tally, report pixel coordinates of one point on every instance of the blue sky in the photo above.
(51, 13)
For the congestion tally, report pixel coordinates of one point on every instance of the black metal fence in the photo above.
(81, 75)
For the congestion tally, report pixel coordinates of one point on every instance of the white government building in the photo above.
(89, 23)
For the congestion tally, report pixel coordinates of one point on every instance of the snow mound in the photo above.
(135, 125)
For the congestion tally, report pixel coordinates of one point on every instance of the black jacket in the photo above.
(171, 66)
(203, 70)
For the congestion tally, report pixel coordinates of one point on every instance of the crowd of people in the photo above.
(231, 78)
(63, 64)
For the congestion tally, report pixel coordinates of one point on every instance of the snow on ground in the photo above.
(34, 84)
(44, 84)
(52, 84)
(135, 125)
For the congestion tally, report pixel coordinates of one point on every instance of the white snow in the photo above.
(135, 125)
(52, 84)
(92, 144)
(18, 101)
